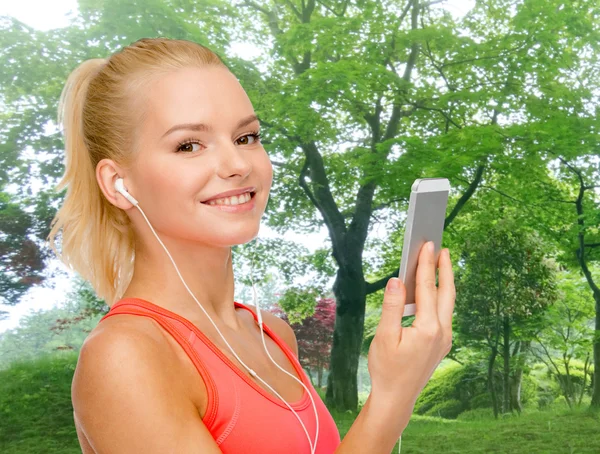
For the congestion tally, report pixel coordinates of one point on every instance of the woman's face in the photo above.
(197, 141)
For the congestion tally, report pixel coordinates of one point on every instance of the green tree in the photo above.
(61, 328)
(581, 244)
(503, 289)
(376, 94)
(567, 337)
(21, 259)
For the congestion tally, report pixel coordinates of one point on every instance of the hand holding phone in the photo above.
(402, 359)
(424, 222)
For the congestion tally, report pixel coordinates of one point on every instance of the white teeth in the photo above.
(234, 200)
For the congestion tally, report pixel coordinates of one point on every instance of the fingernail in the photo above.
(430, 246)
(393, 285)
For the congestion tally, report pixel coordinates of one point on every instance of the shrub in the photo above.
(451, 390)
(483, 400)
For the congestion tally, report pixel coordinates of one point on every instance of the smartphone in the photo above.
(424, 222)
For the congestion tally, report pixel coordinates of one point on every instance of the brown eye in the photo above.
(244, 140)
(188, 147)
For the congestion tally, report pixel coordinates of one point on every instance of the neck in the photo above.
(207, 271)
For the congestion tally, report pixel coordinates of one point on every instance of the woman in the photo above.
(168, 119)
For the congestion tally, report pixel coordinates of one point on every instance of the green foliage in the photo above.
(547, 388)
(576, 370)
(451, 390)
(446, 409)
(529, 390)
(506, 274)
(299, 302)
(564, 343)
(21, 258)
(455, 388)
(568, 325)
(482, 401)
(287, 259)
(506, 284)
(62, 328)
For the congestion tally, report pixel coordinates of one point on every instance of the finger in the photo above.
(446, 291)
(425, 290)
(392, 309)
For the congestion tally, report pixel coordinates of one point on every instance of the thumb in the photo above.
(392, 309)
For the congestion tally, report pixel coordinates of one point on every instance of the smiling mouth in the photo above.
(230, 201)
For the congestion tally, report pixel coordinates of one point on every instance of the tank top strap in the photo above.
(184, 337)
(273, 335)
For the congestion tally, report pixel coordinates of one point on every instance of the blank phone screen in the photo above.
(425, 222)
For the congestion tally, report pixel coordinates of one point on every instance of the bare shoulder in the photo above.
(121, 348)
(281, 328)
(123, 389)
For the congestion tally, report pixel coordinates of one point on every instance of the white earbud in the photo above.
(120, 187)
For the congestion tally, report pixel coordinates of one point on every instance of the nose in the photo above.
(233, 160)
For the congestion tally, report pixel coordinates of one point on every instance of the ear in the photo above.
(107, 173)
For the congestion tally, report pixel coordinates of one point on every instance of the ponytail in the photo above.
(92, 243)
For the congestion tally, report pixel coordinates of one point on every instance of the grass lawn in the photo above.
(36, 415)
(559, 431)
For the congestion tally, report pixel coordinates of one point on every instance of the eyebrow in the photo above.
(203, 127)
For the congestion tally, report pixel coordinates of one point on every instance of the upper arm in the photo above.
(125, 401)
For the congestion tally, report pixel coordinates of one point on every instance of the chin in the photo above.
(228, 239)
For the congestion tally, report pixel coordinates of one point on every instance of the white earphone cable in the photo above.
(255, 299)
(312, 447)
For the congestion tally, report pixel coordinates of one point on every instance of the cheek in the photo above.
(162, 186)
(171, 186)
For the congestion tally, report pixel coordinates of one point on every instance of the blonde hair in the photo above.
(100, 109)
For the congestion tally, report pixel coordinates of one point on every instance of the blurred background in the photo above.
(357, 99)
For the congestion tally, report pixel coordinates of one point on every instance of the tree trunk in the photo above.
(515, 391)
(491, 384)
(585, 374)
(342, 390)
(568, 380)
(596, 385)
(595, 290)
(517, 379)
(320, 377)
(562, 379)
(506, 371)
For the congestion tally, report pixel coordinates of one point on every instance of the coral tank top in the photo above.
(241, 416)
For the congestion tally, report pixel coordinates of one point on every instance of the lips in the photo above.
(233, 192)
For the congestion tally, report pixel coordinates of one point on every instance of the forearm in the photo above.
(377, 427)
